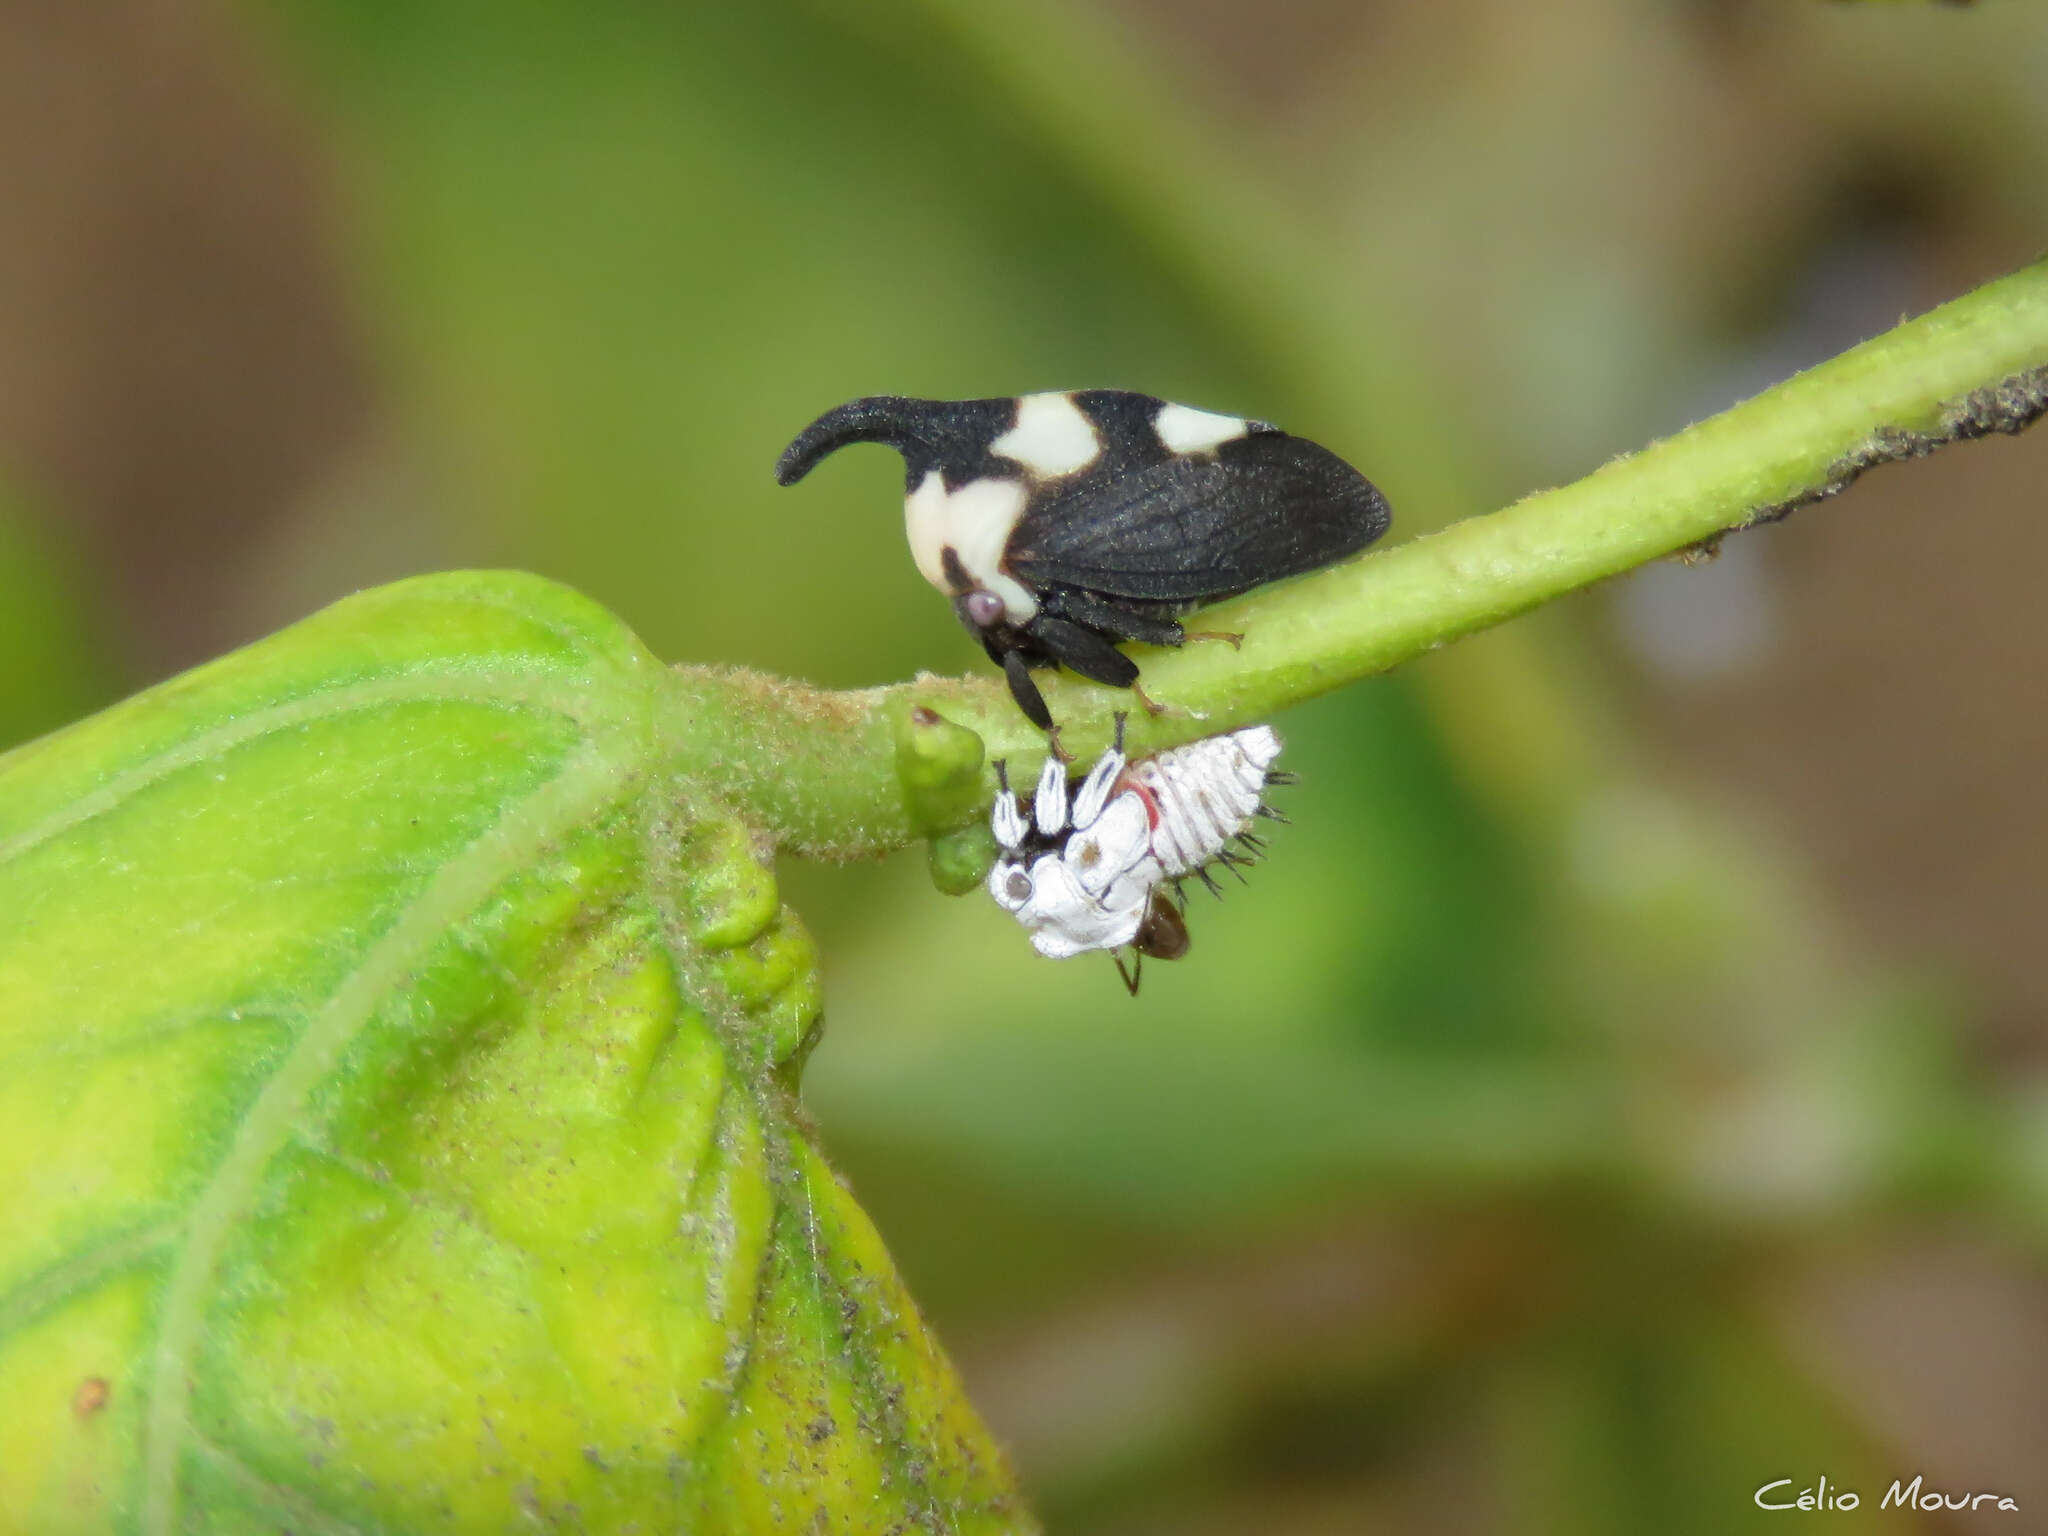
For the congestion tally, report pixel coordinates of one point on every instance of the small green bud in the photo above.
(961, 860)
(939, 764)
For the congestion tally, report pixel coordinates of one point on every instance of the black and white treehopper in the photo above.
(1088, 868)
(1061, 524)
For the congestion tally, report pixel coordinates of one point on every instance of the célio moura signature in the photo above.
(1901, 1495)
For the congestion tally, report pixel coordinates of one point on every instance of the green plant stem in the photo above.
(1975, 365)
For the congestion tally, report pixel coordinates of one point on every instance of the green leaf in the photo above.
(397, 1127)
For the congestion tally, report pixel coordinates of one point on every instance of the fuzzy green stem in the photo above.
(1976, 365)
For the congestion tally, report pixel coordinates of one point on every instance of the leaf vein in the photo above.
(591, 779)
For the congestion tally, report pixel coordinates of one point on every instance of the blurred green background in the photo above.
(1624, 1086)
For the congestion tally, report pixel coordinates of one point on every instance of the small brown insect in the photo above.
(1163, 935)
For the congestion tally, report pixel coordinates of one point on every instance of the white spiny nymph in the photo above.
(1085, 870)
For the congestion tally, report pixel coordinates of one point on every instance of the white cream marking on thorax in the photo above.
(976, 522)
(1052, 437)
(1184, 429)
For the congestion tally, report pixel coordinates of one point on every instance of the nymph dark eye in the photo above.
(984, 608)
(1019, 887)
